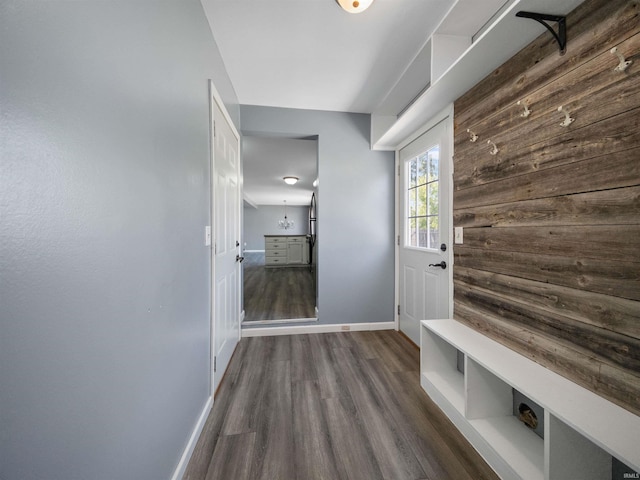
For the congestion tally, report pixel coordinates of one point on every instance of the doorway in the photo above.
(425, 212)
(280, 246)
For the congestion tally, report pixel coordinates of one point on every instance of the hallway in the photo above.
(329, 406)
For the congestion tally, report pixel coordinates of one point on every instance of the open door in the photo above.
(225, 208)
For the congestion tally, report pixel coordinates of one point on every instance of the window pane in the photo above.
(422, 232)
(413, 166)
(434, 156)
(434, 232)
(412, 233)
(412, 202)
(423, 166)
(432, 202)
(421, 201)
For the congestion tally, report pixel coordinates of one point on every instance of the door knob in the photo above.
(239, 258)
(442, 264)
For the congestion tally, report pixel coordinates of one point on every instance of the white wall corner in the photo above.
(380, 124)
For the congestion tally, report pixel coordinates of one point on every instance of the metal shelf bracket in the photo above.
(543, 18)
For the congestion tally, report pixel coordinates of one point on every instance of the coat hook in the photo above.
(472, 136)
(622, 66)
(494, 148)
(526, 112)
(567, 118)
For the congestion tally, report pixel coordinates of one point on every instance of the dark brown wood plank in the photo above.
(609, 347)
(591, 93)
(605, 241)
(618, 279)
(274, 430)
(232, 457)
(390, 447)
(619, 206)
(600, 173)
(331, 383)
(592, 28)
(612, 136)
(302, 365)
(354, 456)
(604, 311)
(313, 457)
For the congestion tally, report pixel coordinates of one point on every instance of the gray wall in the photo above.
(355, 210)
(263, 220)
(104, 192)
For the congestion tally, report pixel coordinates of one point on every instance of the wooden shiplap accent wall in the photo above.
(550, 264)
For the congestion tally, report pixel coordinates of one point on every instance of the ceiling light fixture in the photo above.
(354, 6)
(290, 180)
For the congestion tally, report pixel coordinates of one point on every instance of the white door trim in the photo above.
(446, 115)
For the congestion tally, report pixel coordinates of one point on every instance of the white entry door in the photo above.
(425, 213)
(226, 240)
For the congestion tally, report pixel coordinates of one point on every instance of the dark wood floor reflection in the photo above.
(329, 406)
(277, 293)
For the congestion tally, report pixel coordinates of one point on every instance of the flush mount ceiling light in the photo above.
(290, 180)
(354, 6)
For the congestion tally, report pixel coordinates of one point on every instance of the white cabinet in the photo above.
(286, 251)
(583, 434)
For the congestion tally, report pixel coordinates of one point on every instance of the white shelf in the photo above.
(520, 448)
(582, 431)
(450, 385)
(505, 37)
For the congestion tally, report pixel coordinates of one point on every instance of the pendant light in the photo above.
(354, 6)
(286, 224)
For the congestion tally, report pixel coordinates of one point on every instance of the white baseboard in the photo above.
(253, 251)
(302, 329)
(195, 435)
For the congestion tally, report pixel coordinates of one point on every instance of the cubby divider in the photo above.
(580, 434)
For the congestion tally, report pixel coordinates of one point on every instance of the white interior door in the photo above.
(226, 241)
(425, 218)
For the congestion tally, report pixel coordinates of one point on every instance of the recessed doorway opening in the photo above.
(279, 230)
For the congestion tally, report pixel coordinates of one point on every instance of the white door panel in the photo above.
(425, 223)
(226, 242)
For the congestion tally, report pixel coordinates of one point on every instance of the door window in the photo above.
(423, 199)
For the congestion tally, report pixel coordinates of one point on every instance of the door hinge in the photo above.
(214, 363)
(398, 240)
(398, 309)
(398, 169)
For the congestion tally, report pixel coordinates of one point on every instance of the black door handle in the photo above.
(442, 264)
(239, 258)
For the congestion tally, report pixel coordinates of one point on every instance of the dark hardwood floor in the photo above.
(277, 293)
(329, 406)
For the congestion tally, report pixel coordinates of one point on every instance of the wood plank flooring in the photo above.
(329, 406)
(277, 293)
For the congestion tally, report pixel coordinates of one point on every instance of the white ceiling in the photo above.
(311, 54)
(267, 160)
